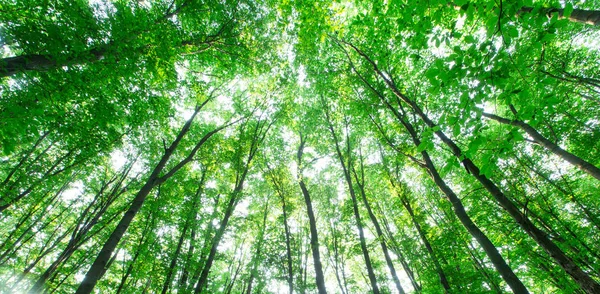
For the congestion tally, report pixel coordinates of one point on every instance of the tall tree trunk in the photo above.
(361, 234)
(497, 260)
(279, 188)
(578, 162)
(397, 250)
(148, 227)
(88, 219)
(314, 236)
(190, 218)
(425, 240)
(360, 182)
(256, 256)
(560, 257)
(97, 269)
(173, 264)
(260, 131)
(231, 204)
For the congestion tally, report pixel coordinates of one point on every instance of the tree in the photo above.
(252, 146)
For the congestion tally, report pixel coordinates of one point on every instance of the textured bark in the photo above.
(573, 159)
(314, 235)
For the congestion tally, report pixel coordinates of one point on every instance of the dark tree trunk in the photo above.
(258, 134)
(397, 250)
(97, 269)
(256, 256)
(314, 236)
(173, 264)
(425, 240)
(279, 188)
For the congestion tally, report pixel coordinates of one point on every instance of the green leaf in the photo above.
(568, 10)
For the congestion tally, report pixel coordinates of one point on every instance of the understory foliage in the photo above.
(186, 146)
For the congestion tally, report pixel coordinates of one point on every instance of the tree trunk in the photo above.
(361, 234)
(97, 269)
(578, 162)
(259, 132)
(256, 256)
(171, 269)
(34, 62)
(425, 240)
(314, 236)
(361, 185)
(397, 250)
(569, 266)
(281, 192)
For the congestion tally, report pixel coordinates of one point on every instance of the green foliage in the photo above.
(93, 93)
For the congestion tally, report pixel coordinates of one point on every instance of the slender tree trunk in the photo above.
(149, 225)
(560, 257)
(233, 200)
(256, 256)
(97, 269)
(578, 162)
(90, 216)
(188, 223)
(360, 181)
(425, 240)
(397, 250)
(361, 234)
(497, 260)
(173, 264)
(288, 247)
(336, 257)
(259, 132)
(314, 236)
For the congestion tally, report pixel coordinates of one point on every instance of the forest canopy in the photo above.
(204, 146)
